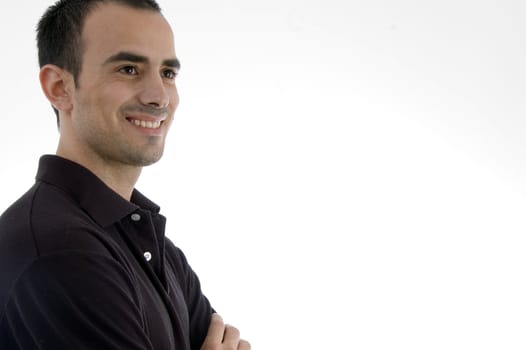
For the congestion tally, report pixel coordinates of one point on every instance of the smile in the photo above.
(146, 124)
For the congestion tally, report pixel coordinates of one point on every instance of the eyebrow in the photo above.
(135, 58)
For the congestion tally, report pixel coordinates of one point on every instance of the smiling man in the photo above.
(84, 261)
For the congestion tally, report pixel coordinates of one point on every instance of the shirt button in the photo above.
(136, 217)
(148, 256)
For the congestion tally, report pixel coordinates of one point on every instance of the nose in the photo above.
(155, 92)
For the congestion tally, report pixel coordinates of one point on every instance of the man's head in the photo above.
(109, 67)
(59, 32)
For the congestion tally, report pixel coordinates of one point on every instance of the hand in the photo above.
(223, 337)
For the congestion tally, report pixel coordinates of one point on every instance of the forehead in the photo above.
(112, 27)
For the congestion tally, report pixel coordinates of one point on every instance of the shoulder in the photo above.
(45, 220)
(175, 255)
(45, 223)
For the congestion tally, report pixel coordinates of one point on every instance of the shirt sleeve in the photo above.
(199, 309)
(73, 301)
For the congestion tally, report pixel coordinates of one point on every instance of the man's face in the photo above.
(126, 95)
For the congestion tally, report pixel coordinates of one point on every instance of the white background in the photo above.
(341, 174)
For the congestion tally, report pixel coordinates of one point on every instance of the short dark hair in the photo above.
(60, 28)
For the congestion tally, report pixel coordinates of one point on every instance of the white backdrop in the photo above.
(341, 174)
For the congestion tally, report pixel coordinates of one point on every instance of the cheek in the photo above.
(111, 99)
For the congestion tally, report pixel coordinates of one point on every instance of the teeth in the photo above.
(146, 124)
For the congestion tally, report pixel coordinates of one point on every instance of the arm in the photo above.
(73, 301)
(199, 309)
(207, 329)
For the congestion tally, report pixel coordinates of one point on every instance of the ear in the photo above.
(58, 85)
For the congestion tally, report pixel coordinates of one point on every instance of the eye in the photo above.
(129, 70)
(169, 74)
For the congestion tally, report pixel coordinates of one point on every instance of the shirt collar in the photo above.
(103, 204)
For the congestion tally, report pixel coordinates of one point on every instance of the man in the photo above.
(84, 263)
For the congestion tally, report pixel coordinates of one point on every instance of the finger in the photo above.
(215, 331)
(244, 345)
(232, 337)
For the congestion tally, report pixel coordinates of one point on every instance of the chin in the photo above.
(141, 160)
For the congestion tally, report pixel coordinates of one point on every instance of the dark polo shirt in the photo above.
(82, 268)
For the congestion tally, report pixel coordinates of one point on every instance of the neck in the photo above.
(120, 177)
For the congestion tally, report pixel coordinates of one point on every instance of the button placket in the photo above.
(136, 217)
